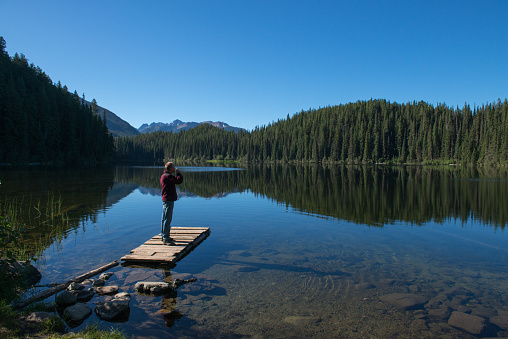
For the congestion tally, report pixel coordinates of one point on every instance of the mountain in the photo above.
(116, 125)
(178, 125)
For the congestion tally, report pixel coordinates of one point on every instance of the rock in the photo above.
(179, 282)
(483, 312)
(84, 295)
(153, 287)
(75, 287)
(122, 296)
(404, 301)
(39, 316)
(105, 276)
(414, 288)
(244, 268)
(501, 321)
(419, 325)
(441, 314)
(66, 299)
(113, 310)
(467, 322)
(99, 282)
(364, 286)
(451, 292)
(106, 289)
(302, 320)
(394, 282)
(76, 314)
(20, 270)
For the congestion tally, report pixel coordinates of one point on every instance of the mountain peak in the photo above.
(179, 125)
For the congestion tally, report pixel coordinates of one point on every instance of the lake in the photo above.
(294, 251)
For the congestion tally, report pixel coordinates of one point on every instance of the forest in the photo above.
(365, 132)
(41, 122)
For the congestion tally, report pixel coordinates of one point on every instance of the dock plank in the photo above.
(154, 251)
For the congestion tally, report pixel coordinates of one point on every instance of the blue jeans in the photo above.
(167, 216)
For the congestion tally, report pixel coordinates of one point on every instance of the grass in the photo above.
(91, 332)
(51, 221)
(29, 226)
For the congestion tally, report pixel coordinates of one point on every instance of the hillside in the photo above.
(116, 125)
(364, 132)
(42, 123)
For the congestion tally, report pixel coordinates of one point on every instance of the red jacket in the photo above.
(168, 182)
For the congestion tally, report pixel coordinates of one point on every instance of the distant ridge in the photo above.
(116, 125)
(178, 125)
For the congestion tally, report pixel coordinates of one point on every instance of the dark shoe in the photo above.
(168, 241)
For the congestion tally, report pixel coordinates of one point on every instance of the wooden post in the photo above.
(45, 294)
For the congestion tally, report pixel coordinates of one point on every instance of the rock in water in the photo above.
(84, 295)
(65, 299)
(302, 320)
(113, 310)
(405, 301)
(153, 287)
(467, 322)
(501, 321)
(106, 289)
(105, 276)
(76, 314)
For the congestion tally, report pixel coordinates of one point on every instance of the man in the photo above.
(169, 196)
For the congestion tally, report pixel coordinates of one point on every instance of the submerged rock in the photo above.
(302, 320)
(364, 286)
(500, 320)
(467, 322)
(404, 301)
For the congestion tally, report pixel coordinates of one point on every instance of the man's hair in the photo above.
(169, 164)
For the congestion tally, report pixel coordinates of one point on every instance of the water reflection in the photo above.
(372, 195)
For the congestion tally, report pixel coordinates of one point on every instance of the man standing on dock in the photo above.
(169, 196)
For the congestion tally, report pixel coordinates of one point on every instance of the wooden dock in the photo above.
(153, 251)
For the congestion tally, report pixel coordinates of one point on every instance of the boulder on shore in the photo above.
(20, 270)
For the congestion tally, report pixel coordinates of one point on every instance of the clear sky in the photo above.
(251, 62)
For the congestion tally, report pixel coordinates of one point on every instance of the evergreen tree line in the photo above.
(375, 131)
(41, 122)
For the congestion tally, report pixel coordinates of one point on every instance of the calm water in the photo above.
(294, 251)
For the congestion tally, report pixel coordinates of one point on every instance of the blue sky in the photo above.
(251, 62)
